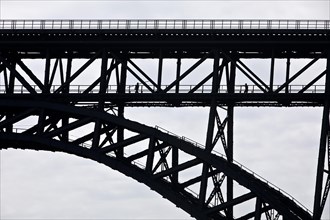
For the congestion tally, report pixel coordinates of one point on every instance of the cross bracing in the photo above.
(86, 77)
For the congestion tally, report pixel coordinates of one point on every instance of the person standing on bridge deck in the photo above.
(137, 88)
(246, 88)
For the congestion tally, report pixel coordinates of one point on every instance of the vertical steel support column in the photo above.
(5, 80)
(46, 90)
(272, 65)
(65, 120)
(151, 154)
(178, 72)
(232, 77)
(317, 211)
(230, 137)
(230, 156)
(121, 106)
(47, 73)
(287, 77)
(175, 163)
(258, 209)
(68, 73)
(103, 87)
(120, 132)
(10, 90)
(160, 69)
(213, 108)
(175, 151)
(103, 77)
(210, 128)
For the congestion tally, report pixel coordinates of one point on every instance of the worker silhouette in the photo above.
(246, 88)
(137, 87)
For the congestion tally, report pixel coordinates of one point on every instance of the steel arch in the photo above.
(165, 181)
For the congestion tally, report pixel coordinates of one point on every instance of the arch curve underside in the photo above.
(155, 158)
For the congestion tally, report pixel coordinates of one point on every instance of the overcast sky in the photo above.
(42, 185)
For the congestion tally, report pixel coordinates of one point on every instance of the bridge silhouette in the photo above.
(91, 70)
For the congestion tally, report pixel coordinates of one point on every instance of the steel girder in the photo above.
(146, 43)
(158, 172)
(57, 82)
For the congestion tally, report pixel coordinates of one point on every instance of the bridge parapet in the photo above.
(165, 24)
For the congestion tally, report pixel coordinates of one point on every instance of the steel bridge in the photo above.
(89, 71)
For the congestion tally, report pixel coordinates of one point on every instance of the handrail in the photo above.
(164, 24)
(201, 146)
(195, 143)
(20, 89)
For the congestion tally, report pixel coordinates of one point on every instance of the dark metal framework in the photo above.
(109, 63)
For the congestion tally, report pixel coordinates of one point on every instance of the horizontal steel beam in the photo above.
(146, 43)
(201, 100)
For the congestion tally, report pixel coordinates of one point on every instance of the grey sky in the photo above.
(165, 9)
(279, 144)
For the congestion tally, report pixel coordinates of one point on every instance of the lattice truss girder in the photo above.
(157, 156)
(118, 72)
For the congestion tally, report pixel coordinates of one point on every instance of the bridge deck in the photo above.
(311, 97)
(141, 38)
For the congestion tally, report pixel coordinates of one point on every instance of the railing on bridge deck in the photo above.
(78, 89)
(195, 143)
(163, 24)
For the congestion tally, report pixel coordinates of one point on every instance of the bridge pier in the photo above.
(321, 192)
